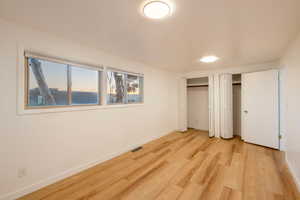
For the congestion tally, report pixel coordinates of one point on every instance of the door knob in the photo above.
(246, 111)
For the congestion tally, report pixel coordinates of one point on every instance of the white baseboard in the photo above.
(291, 169)
(36, 186)
(43, 183)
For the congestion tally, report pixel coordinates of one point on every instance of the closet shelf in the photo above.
(206, 85)
(197, 85)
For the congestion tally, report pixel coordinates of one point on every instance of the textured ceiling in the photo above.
(240, 32)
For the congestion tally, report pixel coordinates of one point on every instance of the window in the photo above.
(134, 85)
(85, 86)
(124, 88)
(54, 83)
(48, 83)
(115, 87)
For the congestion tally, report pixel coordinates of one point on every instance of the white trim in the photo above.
(242, 109)
(291, 169)
(29, 54)
(234, 70)
(20, 80)
(124, 71)
(21, 110)
(103, 88)
(75, 108)
(48, 181)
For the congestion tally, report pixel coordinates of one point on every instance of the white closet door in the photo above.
(226, 109)
(211, 109)
(214, 105)
(217, 105)
(182, 105)
(260, 115)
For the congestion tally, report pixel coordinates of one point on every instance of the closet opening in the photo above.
(236, 101)
(197, 104)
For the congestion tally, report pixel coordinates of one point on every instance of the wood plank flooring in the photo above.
(184, 166)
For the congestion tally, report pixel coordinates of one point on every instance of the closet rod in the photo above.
(191, 86)
(197, 86)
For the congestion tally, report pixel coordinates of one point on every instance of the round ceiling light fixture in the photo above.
(209, 59)
(157, 10)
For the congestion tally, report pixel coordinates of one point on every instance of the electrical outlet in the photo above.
(22, 172)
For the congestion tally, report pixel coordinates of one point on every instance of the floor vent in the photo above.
(136, 149)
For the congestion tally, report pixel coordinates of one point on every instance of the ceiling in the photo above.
(240, 32)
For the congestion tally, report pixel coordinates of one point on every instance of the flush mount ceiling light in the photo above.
(156, 9)
(209, 59)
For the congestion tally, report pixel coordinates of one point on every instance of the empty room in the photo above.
(150, 100)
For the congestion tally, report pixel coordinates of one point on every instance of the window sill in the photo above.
(30, 111)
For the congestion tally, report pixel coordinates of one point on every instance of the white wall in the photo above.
(198, 108)
(54, 145)
(291, 107)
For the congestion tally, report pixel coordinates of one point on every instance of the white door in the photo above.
(260, 116)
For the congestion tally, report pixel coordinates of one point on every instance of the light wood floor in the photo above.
(182, 166)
